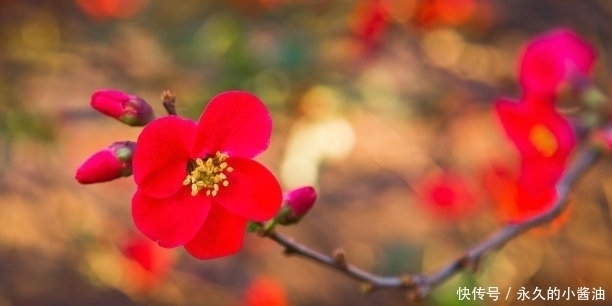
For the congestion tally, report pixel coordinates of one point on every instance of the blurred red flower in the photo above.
(512, 203)
(265, 291)
(197, 184)
(446, 194)
(147, 263)
(445, 12)
(105, 9)
(551, 58)
(369, 19)
(545, 140)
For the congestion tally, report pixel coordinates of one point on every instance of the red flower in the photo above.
(147, 264)
(197, 183)
(516, 204)
(104, 9)
(446, 194)
(551, 58)
(265, 291)
(445, 12)
(369, 20)
(545, 140)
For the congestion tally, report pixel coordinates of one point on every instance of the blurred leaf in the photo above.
(400, 257)
(17, 124)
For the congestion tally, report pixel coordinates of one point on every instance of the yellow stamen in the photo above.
(543, 140)
(208, 174)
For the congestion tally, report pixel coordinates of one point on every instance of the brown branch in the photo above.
(420, 285)
(376, 281)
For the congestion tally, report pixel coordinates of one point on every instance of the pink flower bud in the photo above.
(129, 109)
(297, 204)
(113, 162)
(301, 199)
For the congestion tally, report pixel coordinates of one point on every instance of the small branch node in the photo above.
(414, 295)
(407, 281)
(366, 288)
(418, 286)
(289, 251)
(467, 263)
(339, 256)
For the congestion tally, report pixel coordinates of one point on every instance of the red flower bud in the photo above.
(129, 109)
(113, 162)
(297, 204)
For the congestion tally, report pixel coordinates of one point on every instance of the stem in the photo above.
(420, 285)
(169, 102)
(297, 249)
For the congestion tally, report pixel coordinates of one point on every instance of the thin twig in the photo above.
(420, 285)
(297, 249)
(498, 239)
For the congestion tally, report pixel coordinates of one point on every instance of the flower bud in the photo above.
(297, 203)
(129, 109)
(113, 162)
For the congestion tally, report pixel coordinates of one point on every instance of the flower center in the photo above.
(543, 140)
(208, 174)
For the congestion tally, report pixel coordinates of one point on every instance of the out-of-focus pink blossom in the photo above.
(147, 264)
(446, 194)
(552, 59)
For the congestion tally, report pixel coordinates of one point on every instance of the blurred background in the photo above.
(384, 106)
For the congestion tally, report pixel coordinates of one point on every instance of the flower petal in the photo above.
(234, 122)
(511, 115)
(221, 235)
(172, 221)
(253, 191)
(161, 156)
(519, 119)
(552, 57)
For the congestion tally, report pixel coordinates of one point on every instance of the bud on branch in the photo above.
(297, 203)
(111, 163)
(129, 109)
